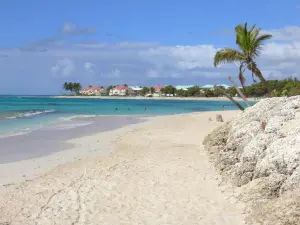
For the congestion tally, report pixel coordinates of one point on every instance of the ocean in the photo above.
(23, 114)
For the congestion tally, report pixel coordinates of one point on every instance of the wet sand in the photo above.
(52, 139)
(27, 156)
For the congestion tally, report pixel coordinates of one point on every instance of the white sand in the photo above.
(157, 173)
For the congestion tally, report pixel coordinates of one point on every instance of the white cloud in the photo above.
(140, 63)
(64, 67)
(73, 29)
(282, 51)
(287, 33)
(137, 44)
(69, 27)
(181, 57)
(89, 67)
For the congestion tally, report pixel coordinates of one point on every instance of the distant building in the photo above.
(184, 87)
(92, 91)
(210, 86)
(134, 90)
(119, 90)
(157, 90)
(223, 85)
(207, 86)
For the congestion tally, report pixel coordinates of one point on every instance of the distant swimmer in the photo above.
(226, 106)
(145, 109)
(116, 109)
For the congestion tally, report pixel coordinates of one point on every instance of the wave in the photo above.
(74, 117)
(16, 133)
(29, 113)
(63, 126)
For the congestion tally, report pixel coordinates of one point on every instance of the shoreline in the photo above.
(70, 150)
(128, 167)
(54, 137)
(157, 98)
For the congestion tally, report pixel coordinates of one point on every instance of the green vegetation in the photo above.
(196, 91)
(168, 90)
(145, 91)
(250, 43)
(72, 87)
(276, 88)
(108, 88)
(152, 90)
(288, 87)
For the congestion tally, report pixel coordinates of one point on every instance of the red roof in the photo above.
(93, 89)
(120, 88)
(158, 87)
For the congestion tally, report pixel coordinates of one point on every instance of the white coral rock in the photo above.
(282, 156)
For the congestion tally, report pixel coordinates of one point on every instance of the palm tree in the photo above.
(152, 90)
(76, 87)
(66, 86)
(250, 42)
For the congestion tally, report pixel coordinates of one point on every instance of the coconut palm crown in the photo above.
(250, 42)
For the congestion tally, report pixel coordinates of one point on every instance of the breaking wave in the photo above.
(29, 113)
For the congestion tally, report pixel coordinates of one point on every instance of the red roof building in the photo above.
(92, 90)
(158, 87)
(119, 90)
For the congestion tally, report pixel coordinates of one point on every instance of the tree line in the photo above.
(276, 88)
(72, 87)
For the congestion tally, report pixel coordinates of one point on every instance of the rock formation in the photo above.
(219, 118)
(259, 151)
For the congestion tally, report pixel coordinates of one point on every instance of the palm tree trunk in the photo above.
(229, 97)
(239, 91)
(258, 73)
(253, 67)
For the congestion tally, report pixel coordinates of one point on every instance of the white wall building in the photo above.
(119, 90)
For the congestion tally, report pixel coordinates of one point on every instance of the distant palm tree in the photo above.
(76, 87)
(152, 90)
(66, 86)
(250, 43)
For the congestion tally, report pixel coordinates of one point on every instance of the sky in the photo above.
(44, 43)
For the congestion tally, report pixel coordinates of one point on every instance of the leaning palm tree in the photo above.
(250, 42)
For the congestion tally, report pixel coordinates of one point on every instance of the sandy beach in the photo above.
(153, 172)
(158, 98)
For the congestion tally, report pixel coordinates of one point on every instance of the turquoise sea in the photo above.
(21, 114)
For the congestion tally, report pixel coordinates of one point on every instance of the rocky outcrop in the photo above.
(259, 151)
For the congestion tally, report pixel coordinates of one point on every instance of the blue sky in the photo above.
(44, 43)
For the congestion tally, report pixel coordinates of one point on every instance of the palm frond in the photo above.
(243, 37)
(239, 30)
(227, 55)
(258, 43)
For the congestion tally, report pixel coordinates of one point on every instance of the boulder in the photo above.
(219, 118)
(259, 150)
